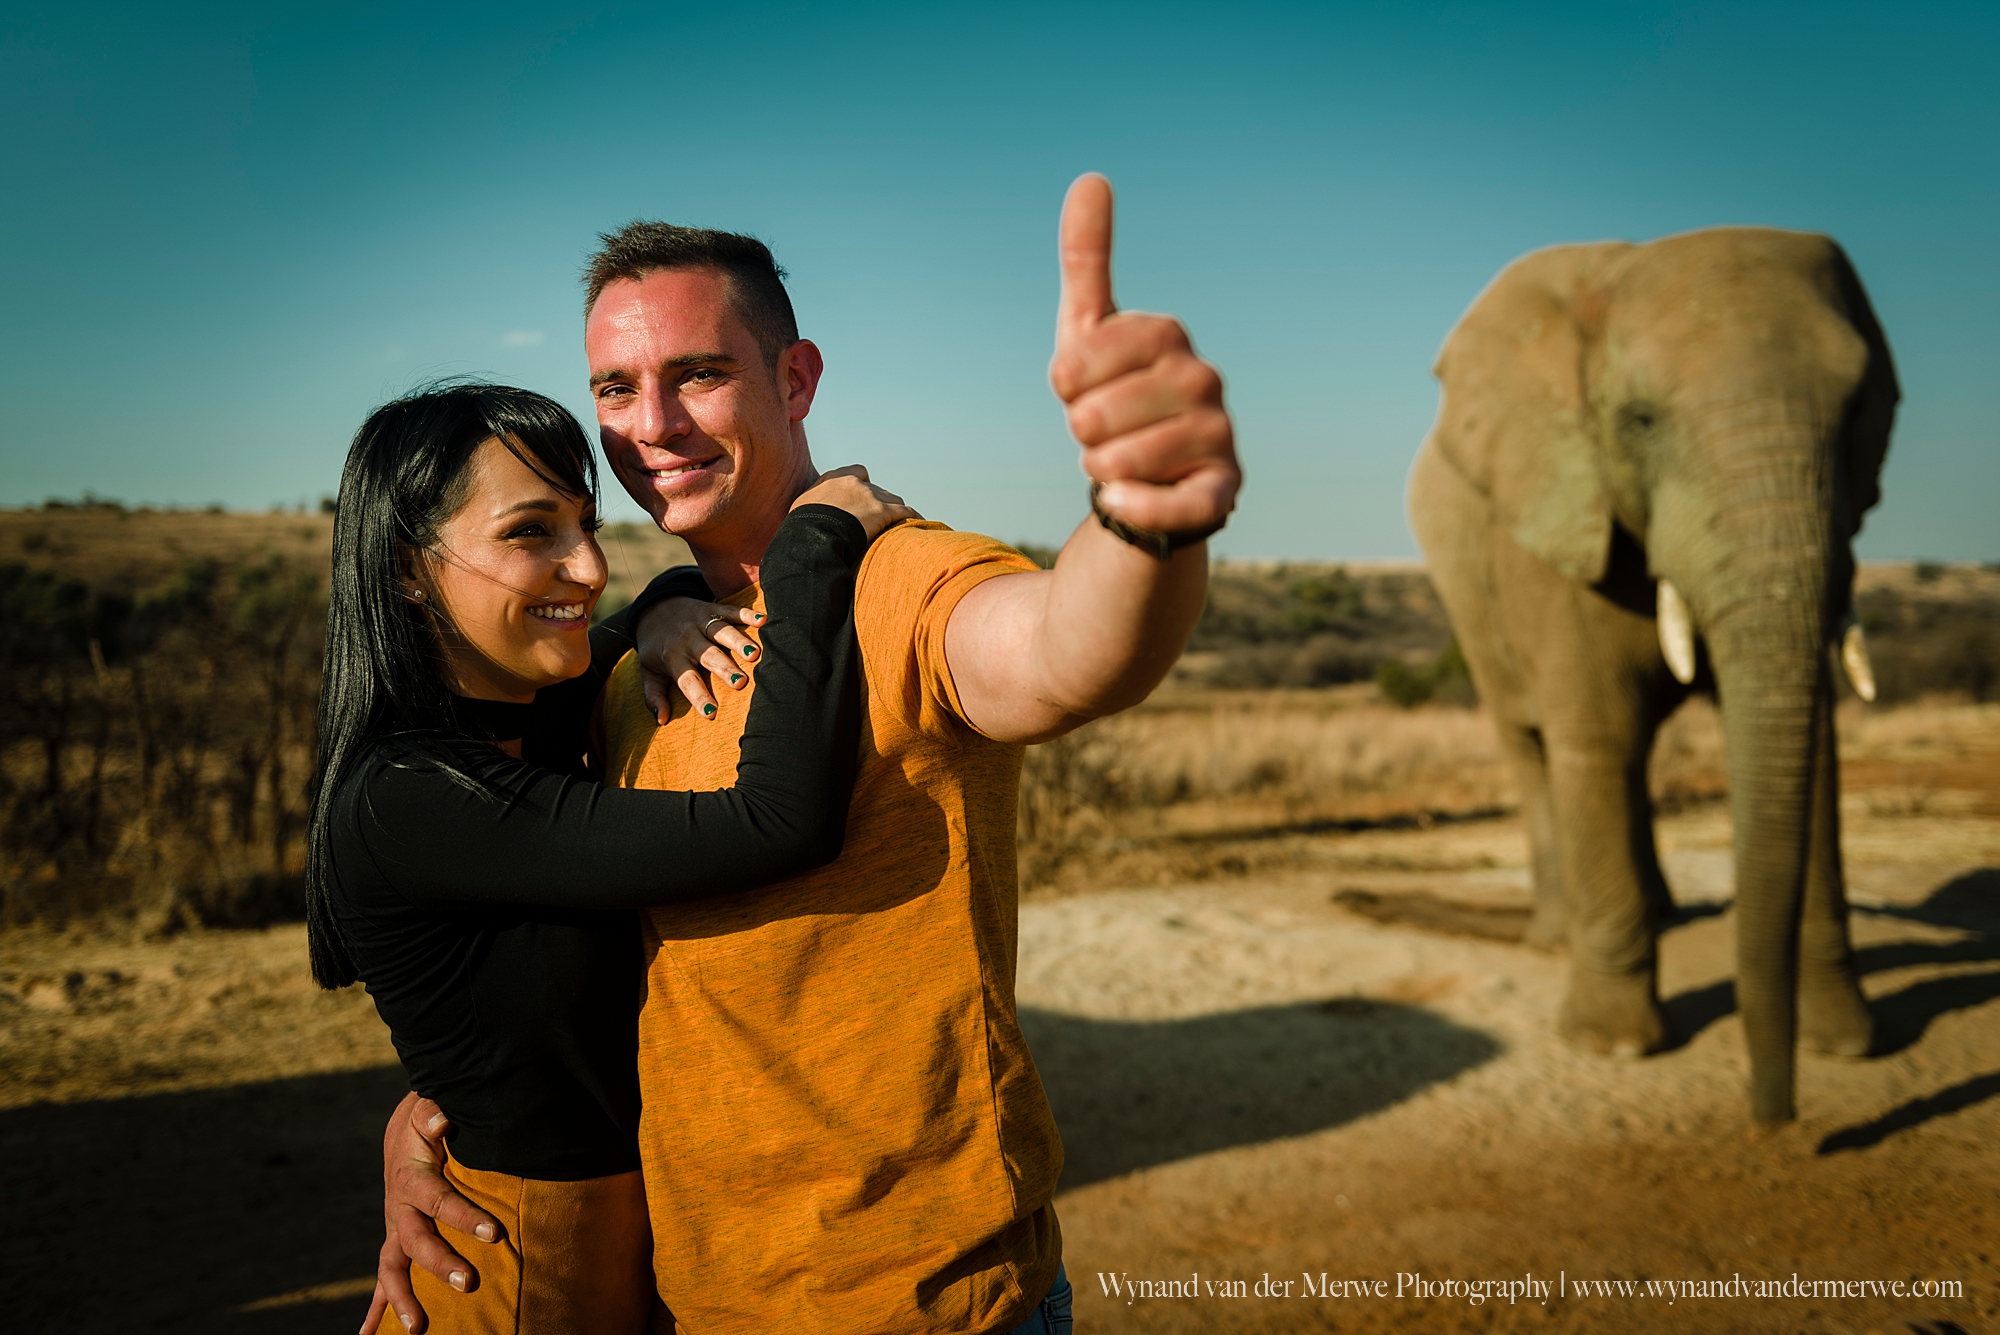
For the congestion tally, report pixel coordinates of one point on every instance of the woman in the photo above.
(485, 900)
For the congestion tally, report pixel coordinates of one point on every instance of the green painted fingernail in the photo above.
(735, 677)
(708, 711)
(749, 649)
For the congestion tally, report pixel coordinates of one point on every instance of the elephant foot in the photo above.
(1613, 1013)
(1761, 1130)
(1834, 1017)
(1771, 1105)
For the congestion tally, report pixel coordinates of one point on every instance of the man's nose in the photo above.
(661, 419)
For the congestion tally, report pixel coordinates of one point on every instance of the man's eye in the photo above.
(610, 390)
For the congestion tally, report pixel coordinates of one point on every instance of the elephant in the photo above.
(1647, 468)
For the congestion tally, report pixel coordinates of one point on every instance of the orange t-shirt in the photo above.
(842, 1128)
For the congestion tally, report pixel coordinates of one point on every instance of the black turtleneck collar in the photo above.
(497, 720)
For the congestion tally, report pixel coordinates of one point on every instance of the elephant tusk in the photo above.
(1676, 633)
(1854, 657)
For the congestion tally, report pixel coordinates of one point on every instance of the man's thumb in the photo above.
(1084, 247)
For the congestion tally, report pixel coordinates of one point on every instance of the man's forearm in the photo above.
(1034, 655)
(1116, 621)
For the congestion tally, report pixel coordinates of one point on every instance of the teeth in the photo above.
(558, 612)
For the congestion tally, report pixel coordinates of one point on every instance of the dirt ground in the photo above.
(1258, 1072)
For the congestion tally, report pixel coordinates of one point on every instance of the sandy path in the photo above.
(1252, 1080)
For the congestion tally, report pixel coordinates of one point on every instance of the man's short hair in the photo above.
(755, 281)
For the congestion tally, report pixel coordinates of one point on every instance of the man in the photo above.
(843, 1129)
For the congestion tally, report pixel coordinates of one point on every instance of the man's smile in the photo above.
(678, 471)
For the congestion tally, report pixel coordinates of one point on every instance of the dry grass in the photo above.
(1197, 767)
(1197, 784)
(153, 761)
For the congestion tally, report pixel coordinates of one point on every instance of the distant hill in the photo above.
(138, 551)
(1932, 626)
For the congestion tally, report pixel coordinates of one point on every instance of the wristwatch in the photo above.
(1154, 543)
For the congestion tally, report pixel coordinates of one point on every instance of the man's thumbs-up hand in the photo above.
(1147, 411)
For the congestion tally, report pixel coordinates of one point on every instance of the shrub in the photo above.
(154, 751)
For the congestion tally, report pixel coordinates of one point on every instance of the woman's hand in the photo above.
(682, 642)
(849, 489)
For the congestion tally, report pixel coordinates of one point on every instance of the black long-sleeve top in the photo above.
(495, 932)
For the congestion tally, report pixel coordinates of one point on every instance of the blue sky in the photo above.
(226, 233)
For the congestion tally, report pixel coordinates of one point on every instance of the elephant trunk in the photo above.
(1768, 648)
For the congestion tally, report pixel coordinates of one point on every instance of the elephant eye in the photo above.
(1638, 416)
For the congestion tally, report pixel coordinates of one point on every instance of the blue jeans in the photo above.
(1051, 1314)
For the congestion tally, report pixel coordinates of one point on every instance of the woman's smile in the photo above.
(520, 558)
(563, 616)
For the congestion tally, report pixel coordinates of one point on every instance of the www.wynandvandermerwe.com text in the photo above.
(1526, 1288)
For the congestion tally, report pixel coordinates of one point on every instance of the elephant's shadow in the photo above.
(1133, 1094)
(1970, 903)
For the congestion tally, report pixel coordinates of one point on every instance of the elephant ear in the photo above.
(1872, 412)
(1514, 418)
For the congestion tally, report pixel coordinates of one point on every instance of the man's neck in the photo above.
(731, 561)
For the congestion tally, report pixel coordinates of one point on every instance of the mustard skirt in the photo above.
(574, 1258)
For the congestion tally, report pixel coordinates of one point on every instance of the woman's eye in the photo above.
(593, 523)
(529, 531)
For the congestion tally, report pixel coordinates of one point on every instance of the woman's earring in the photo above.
(417, 595)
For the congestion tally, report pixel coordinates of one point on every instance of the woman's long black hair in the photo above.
(406, 475)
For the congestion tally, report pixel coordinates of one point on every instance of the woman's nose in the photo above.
(584, 563)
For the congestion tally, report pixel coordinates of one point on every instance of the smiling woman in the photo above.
(463, 866)
(510, 580)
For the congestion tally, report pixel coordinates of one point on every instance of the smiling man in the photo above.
(843, 1130)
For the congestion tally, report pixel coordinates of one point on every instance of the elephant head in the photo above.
(1725, 398)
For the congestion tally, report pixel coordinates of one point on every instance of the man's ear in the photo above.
(799, 370)
(1872, 412)
(1512, 417)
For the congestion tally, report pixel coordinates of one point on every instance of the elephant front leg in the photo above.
(1833, 1015)
(1613, 1003)
(1548, 927)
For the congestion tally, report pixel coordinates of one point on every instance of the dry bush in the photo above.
(155, 749)
(1251, 761)
(1932, 629)
(158, 676)
(1307, 624)
(1687, 767)
(1934, 729)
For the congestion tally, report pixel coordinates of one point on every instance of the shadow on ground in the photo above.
(1132, 1094)
(164, 1213)
(172, 1212)
(1970, 903)
(1914, 1113)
